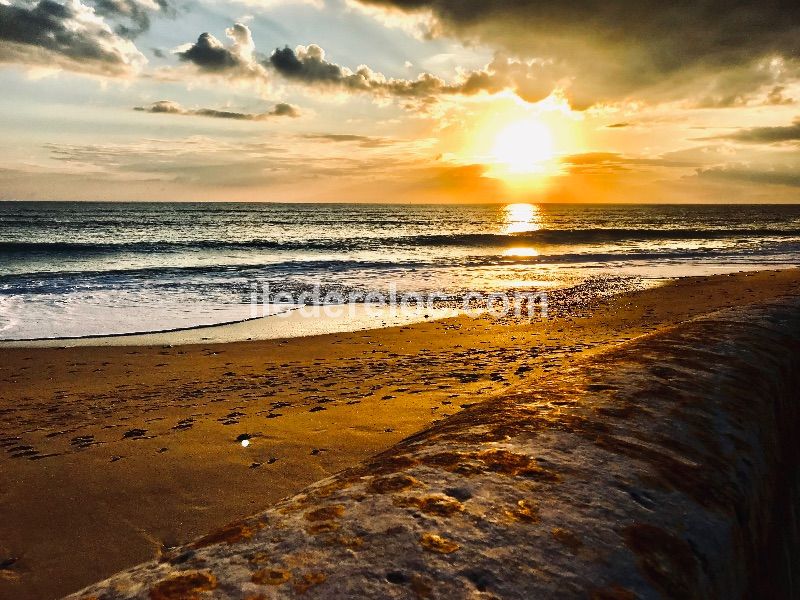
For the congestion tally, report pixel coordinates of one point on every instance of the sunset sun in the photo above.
(524, 147)
(521, 145)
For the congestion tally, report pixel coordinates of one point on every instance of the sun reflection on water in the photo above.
(521, 252)
(521, 217)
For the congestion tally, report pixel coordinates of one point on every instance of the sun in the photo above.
(524, 146)
(517, 144)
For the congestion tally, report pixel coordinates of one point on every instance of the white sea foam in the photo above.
(112, 312)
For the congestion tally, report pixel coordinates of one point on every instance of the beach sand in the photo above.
(112, 455)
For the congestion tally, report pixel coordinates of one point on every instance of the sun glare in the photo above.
(524, 147)
(519, 144)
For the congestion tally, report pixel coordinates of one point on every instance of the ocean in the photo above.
(76, 269)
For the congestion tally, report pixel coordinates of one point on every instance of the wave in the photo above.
(477, 240)
(294, 272)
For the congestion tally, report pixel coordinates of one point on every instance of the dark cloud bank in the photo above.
(667, 36)
(615, 48)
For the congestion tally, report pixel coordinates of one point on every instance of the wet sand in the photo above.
(112, 455)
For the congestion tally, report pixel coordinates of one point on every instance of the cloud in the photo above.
(758, 82)
(267, 5)
(742, 173)
(420, 24)
(281, 109)
(531, 80)
(776, 96)
(364, 141)
(612, 50)
(135, 14)
(69, 36)
(597, 163)
(212, 56)
(767, 135)
(241, 168)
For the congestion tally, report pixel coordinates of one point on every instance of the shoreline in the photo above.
(287, 323)
(283, 325)
(133, 450)
(293, 323)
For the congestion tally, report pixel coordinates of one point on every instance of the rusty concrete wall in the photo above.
(664, 468)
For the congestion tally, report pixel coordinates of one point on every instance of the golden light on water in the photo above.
(521, 252)
(521, 217)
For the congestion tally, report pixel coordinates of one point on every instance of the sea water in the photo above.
(76, 269)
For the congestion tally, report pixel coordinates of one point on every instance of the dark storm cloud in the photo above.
(63, 35)
(618, 47)
(168, 107)
(767, 135)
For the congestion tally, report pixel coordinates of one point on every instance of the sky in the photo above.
(400, 100)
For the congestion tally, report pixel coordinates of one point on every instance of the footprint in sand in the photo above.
(9, 441)
(83, 441)
(231, 418)
(22, 451)
(135, 433)
(184, 424)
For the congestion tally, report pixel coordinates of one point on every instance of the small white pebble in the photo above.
(245, 443)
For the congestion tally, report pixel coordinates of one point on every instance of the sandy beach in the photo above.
(113, 455)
